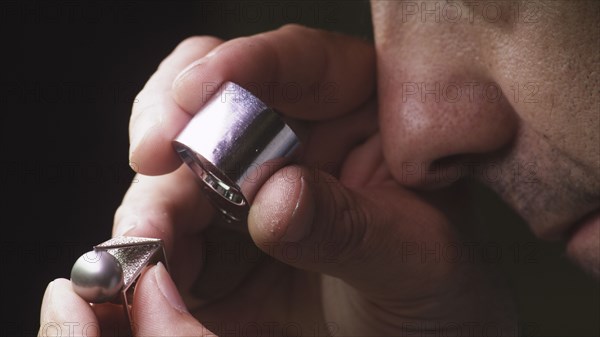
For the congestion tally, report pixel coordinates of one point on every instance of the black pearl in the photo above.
(97, 276)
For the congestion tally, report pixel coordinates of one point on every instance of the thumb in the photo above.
(308, 219)
(158, 309)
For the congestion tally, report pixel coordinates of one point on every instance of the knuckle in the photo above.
(348, 226)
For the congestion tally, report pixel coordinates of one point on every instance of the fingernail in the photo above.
(133, 166)
(168, 289)
(302, 217)
(144, 126)
(135, 142)
(194, 64)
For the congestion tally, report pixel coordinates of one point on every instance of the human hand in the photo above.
(342, 203)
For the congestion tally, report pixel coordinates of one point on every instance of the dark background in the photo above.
(70, 71)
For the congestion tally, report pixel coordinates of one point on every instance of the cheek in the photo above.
(565, 113)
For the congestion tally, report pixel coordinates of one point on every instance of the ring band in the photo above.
(233, 145)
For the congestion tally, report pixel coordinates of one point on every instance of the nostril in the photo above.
(451, 160)
(449, 169)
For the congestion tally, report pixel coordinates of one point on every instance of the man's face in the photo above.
(507, 91)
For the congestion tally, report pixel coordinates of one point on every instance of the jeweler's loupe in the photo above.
(233, 145)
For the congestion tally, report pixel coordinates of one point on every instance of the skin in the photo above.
(383, 151)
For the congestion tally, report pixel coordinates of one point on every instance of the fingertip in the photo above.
(284, 208)
(152, 133)
(156, 293)
(185, 87)
(61, 285)
(155, 155)
(156, 118)
(46, 297)
(65, 313)
(158, 309)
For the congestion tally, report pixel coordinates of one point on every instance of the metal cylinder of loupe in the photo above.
(233, 144)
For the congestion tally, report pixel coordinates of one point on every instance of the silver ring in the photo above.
(109, 272)
(233, 145)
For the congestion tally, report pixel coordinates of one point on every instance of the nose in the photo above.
(437, 131)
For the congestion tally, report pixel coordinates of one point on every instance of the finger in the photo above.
(64, 313)
(364, 165)
(156, 118)
(112, 319)
(158, 309)
(230, 256)
(173, 208)
(305, 73)
(326, 144)
(311, 221)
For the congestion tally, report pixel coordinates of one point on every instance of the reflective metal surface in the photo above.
(233, 144)
(110, 272)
